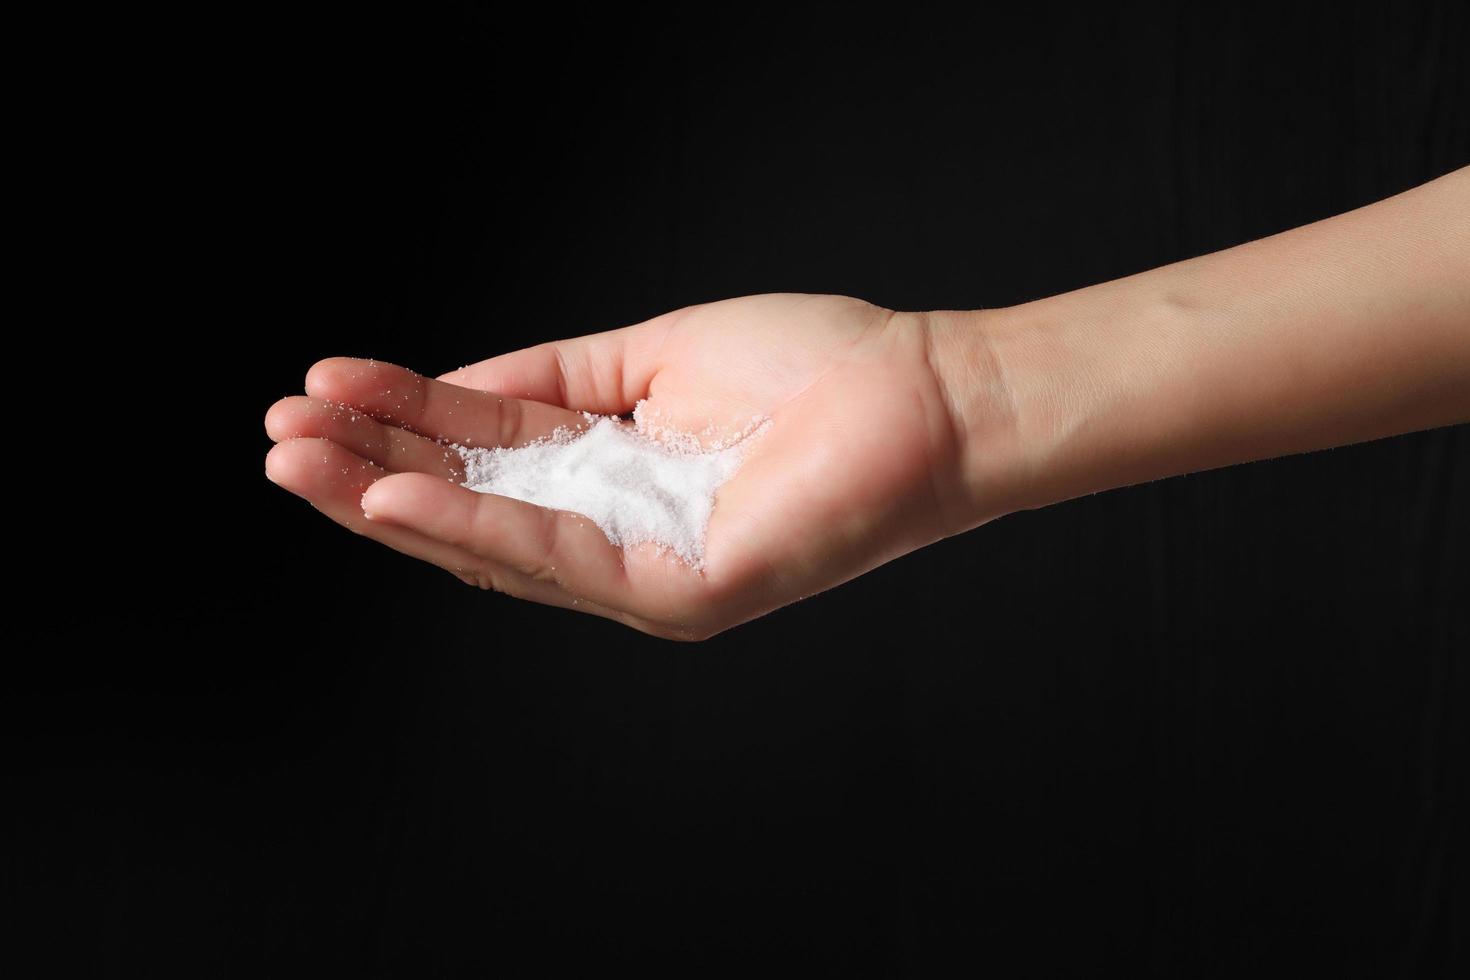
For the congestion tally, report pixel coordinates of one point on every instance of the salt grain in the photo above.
(639, 483)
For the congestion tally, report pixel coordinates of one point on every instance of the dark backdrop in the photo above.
(1205, 727)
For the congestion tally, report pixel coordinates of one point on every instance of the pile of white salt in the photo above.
(638, 484)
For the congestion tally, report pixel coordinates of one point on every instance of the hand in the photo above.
(862, 461)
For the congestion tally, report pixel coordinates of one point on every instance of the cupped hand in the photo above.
(861, 462)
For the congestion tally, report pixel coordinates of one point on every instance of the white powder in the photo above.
(638, 483)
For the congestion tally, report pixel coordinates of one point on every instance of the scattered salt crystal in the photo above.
(640, 483)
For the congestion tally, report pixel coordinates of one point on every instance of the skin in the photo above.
(890, 430)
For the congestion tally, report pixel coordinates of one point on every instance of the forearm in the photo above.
(1353, 328)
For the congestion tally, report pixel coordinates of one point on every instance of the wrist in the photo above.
(974, 355)
(1102, 387)
(1064, 396)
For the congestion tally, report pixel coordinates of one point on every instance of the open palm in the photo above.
(860, 462)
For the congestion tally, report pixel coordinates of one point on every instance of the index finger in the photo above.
(606, 372)
(433, 408)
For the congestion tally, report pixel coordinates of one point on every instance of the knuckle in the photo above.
(510, 412)
(563, 372)
(539, 563)
(484, 578)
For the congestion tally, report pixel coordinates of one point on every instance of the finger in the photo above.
(433, 408)
(499, 578)
(394, 449)
(542, 544)
(606, 373)
(333, 479)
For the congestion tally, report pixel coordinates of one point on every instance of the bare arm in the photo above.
(892, 430)
(1353, 328)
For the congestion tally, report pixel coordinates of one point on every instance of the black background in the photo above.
(1211, 726)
